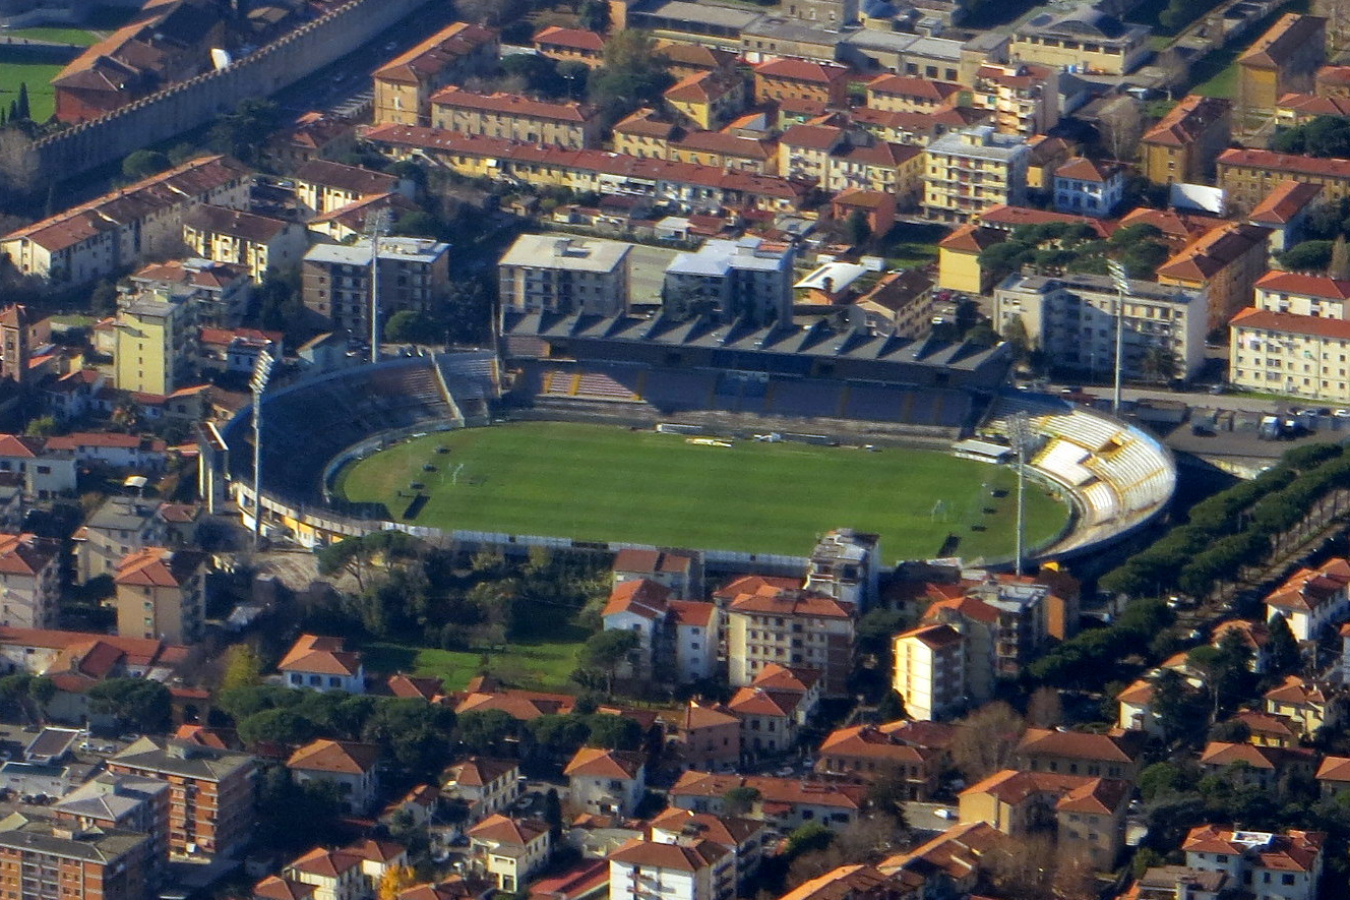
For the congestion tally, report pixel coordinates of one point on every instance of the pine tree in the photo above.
(14, 110)
(25, 111)
(1339, 268)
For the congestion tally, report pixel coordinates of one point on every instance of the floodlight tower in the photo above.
(1019, 434)
(262, 372)
(377, 225)
(1117, 270)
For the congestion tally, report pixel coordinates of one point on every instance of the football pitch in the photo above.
(607, 483)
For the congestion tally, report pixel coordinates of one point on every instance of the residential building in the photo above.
(749, 279)
(876, 207)
(775, 708)
(907, 93)
(1183, 145)
(641, 607)
(565, 274)
(679, 570)
(236, 350)
(1072, 318)
(959, 259)
(126, 226)
(509, 851)
(404, 85)
(706, 737)
(313, 135)
(484, 786)
(606, 782)
(335, 280)
(1088, 814)
(689, 870)
(845, 565)
(1114, 755)
(1284, 60)
(571, 125)
(1255, 637)
(1083, 36)
(1024, 98)
(125, 803)
(1270, 866)
(111, 450)
(968, 172)
(1247, 176)
(1089, 188)
(728, 151)
(1306, 702)
(1285, 211)
(154, 345)
(1266, 730)
(325, 875)
(798, 79)
(1225, 263)
(1298, 355)
(1333, 776)
(211, 792)
(1299, 109)
(929, 673)
(30, 580)
(349, 766)
(323, 187)
(322, 664)
(772, 624)
(219, 292)
(874, 752)
(744, 839)
(46, 473)
(258, 243)
(50, 859)
(961, 853)
(1312, 600)
(1135, 709)
(784, 803)
(644, 134)
(571, 45)
(707, 100)
(22, 333)
(161, 593)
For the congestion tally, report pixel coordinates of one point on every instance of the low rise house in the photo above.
(1312, 599)
(1333, 776)
(1249, 765)
(571, 125)
(1086, 187)
(349, 766)
(799, 79)
(319, 663)
(509, 851)
(1306, 702)
(484, 786)
(324, 187)
(1114, 755)
(1287, 866)
(570, 45)
(608, 782)
(117, 451)
(783, 802)
(706, 737)
(46, 474)
(871, 752)
(1088, 814)
(775, 707)
(707, 100)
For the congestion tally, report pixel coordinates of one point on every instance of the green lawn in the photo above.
(19, 66)
(907, 246)
(603, 483)
(77, 36)
(544, 665)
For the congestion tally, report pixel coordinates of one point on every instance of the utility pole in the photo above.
(1019, 433)
(262, 372)
(377, 225)
(1122, 283)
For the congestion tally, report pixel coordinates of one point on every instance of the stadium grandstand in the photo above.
(633, 367)
(1117, 476)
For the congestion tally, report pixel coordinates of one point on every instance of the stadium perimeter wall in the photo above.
(192, 103)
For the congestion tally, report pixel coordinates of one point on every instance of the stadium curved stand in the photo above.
(309, 422)
(1118, 476)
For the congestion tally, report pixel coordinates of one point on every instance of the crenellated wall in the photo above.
(192, 103)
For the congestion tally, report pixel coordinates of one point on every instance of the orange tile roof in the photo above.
(771, 599)
(790, 69)
(321, 656)
(684, 857)
(1334, 768)
(1270, 161)
(343, 757)
(1187, 121)
(653, 562)
(159, 567)
(274, 887)
(1116, 747)
(1295, 691)
(325, 863)
(694, 613)
(909, 86)
(602, 763)
(1313, 326)
(571, 38)
(1306, 589)
(1319, 286)
(641, 597)
(479, 771)
(1212, 253)
(1284, 39)
(702, 87)
(772, 789)
(456, 97)
(500, 829)
(435, 53)
(1010, 217)
(1285, 201)
(1082, 169)
(958, 851)
(935, 637)
(971, 238)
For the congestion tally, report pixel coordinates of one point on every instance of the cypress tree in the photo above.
(25, 111)
(13, 110)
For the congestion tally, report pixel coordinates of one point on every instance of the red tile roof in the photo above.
(442, 49)
(801, 70)
(500, 829)
(1187, 121)
(1313, 326)
(570, 38)
(510, 104)
(640, 597)
(321, 656)
(690, 857)
(597, 762)
(1286, 200)
(1308, 589)
(909, 86)
(1270, 161)
(1319, 286)
(159, 567)
(343, 757)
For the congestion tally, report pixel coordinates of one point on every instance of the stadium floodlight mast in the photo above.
(1117, 270)
(1019, 434)
(262, 372)
(377, 225)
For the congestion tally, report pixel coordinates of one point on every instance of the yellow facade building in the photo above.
(152, 345)
(404, 85)
(1183, 145)
(1284, 60)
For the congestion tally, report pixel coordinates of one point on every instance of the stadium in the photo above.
(609, 432)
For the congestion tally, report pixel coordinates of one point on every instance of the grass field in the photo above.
(595, 482)
(18, 65)
(544, 665)
(76, 36)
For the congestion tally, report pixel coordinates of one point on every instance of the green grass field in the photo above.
(19, 66)
(595, 482)
(543, 665)
(74, 36)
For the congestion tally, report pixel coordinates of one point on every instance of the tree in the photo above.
(276, 726)
(1120, 125)
(486, 732)
(1308, 256)
(243, 668)
(1045, 710)
(613, 732)
(607, 651)
(24, 110)
(559, 735)
(1174, 704)
(411, 327)
(985, 740)
(145, 706)
(243, 132)
(1339, 267)
(41, 690)
(808, 838)
(553, 812)
(395, 880)
(594, 15)
(358, 555)
(890, 790)
(144, 163)
(740, 801)
(632, 75)
(419, 223)
(859, 230)
(42, 426)
(1160, 363)
(1283, 656)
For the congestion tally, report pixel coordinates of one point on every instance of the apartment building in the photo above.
(707, 100)
(323, 186)
(971, 171)
(1312, 600)
(258, 243)
(906, 93)
(1085, 38)
(335, 280)
(154, 345)
(571, 45)
(775, 707)
(1116, 755)
(798, 79)
(745, 279)
(571, 125)
(1087, 814)
(484, 786)
(1248, 176)
(1023, 98)
(1183, 145)
(930, 671)
(161, 593)
(211, 792)
(1303, 295)
(55, 859)
(771, 623)
(1088, 188)
(565, 275)
(1269, 866)
(404, 85)
(1225, 264)
(727, 151)
(1285, 212)
(1284, 60)
(218, 292)
(349, 766)
(30, 581)
(743, 838)
(126, 803)
(1073, 319)
(645, 134)
(687, 870)
(126, 226)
